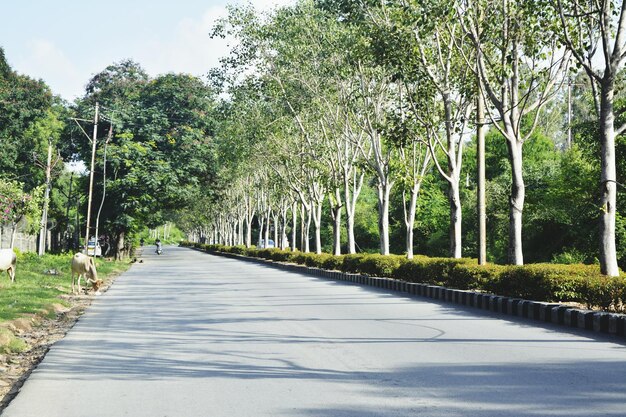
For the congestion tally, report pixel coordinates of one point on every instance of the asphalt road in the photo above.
(189, 334)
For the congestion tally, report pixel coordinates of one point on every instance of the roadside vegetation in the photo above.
(42, 289)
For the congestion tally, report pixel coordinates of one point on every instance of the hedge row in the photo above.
(582, 284)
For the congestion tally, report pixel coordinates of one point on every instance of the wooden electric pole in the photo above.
(480, 155)
(93, 162)
(104, 181)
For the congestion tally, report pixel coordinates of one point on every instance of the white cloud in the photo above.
(43, 59)
(189, 50)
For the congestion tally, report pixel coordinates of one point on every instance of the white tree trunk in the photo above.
(335, 212)
(455, 219)
(516, 204)
(13, 233)
(384, 190)
(261, 223)
(409, 216)
(305, 225)
(294, 224)
(249, 231)
(266, 235)
(608, 185)
(317, 221)
(351, 193)
(276, 231)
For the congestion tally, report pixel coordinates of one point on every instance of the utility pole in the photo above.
(569, 112)
(93, 162)
(44, 214)
(47, 167)
(104, 179)
(67, 213)
(480, 163)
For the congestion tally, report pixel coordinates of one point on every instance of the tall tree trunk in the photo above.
(13, 233)
(317, 221)
(261, 224)
(516, 203)
(336, 208)
(384, 190)
(276, 227)
(268, 219)
(294, 223)
(283, 228)
(306, 227)
(303, 235)
(455, 219)
(119, 252)
(351, 195)
(608, 185)
(409, 216)
(249, 231)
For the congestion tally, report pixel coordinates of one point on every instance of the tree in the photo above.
(592, 30)
(16, 205)
(518, 65)
(161, 154)
(23, 101)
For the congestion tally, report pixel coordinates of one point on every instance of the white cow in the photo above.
(84, 265)
(8, 260)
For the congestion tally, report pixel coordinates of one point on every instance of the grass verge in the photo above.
(40, 291)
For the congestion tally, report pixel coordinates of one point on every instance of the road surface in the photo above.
(188, 334)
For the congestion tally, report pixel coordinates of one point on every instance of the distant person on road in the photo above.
(158, 245)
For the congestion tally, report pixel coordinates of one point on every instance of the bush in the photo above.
(352, 263)
(471, 276)
(528, 282)
(239, 250)
(569, 257)
(333, 262)
(380, 265)
(315, 260)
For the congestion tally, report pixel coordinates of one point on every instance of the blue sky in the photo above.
(65, 42)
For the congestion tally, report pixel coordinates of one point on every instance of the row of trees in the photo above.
(327, 98)
(329, 108)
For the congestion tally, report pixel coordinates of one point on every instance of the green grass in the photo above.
(34, 291)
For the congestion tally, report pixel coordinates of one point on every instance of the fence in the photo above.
(23, 242)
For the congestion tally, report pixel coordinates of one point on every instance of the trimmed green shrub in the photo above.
(352, 263)
(471, 276)
(608, 293)
(333, 262)
(380, 265)
(239, 250)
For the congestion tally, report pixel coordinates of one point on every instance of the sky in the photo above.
(66, 42)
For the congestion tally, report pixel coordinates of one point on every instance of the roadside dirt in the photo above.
(40, 334)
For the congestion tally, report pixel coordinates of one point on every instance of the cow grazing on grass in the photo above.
(83, 265)
(8, 260)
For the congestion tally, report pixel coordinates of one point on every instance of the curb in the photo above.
(564, 315)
